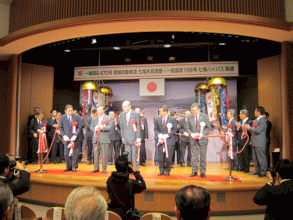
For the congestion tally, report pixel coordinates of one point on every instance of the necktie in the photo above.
(196, 121)
(39, 123)
(164, 122)
(69, 121)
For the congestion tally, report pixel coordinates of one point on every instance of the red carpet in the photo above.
(217, 178)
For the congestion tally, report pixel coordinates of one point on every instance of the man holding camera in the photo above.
(14, 175)
(121, 188)
(277, 197)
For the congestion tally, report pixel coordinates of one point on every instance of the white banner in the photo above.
(177, 70)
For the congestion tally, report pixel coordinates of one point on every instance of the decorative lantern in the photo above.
(220, 97)
(200, 92)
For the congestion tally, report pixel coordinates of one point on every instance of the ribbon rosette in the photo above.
(162, 141)
(71, 146)
(254, 125)
(44, 127)
(169, 127)
(202, 125)
(104, 122)
(142, 125)
(74, 124)
(133, 123)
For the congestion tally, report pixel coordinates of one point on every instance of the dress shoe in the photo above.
(193, 174)
(104, 171)
(95, 171)
(161, 173)
(253, 173)
(35, 162)
(262, 175)
(167, 173)
(67, 170)
(189, 164)
(45, 162)
(61, 161)
(110, 163)
(89, 162)
(246, 171)
(203, 175)
(74, 170)
(183, 165)
(156, 164)
(142, 164)
(55, 162)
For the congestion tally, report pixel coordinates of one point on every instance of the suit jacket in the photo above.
(34, 127)
(277, 199)
(66, 129)
(155, 119)
(144, 132)
(182, 129)
(239, 132)
(159, 129)
(129, 136)
(30, 118)
(52, 131)
(104, 137)
(234, 131)
(115, 134)
(192, 128)
(258, 134)
(89, 132)
(268, 132)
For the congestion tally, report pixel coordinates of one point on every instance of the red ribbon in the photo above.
(254, 125)
(74, 124)
(138, 145)
(71, 146)
(42, 142)
(133, 123)
(45, 126)
(163, 142)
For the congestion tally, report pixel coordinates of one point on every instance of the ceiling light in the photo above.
(116, 48)
(222, 44)
(167, 45)
(67, 50)
(94, 41)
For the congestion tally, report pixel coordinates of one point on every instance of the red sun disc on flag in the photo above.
(152, 87)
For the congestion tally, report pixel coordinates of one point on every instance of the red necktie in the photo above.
(164, 123)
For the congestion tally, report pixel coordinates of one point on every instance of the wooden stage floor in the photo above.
(53, 187)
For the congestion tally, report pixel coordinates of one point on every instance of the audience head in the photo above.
(284, 169)
(6, 202)
(4, 165)
(85, 203)
(193, 202)
(121, 163)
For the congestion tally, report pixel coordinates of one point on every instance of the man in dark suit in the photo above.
(30, 138)
(35, 126)
(244, 160)
(185, 139)
(80, 136)
(156, 157)
(115, 138)
(89, 135)
(177, 141)
(70, 127)
(34, 116)
(144, 136)
(198, 125)
(165, 128)
(266, 115)
(57, 144)
(51, 121)
(277, 197)
(258, 142)
(101, 125)
(130, 132)
(232, 121)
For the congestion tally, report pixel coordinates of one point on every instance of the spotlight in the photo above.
(67, 50)
(167, 45)
(116, 48)
(94, 41)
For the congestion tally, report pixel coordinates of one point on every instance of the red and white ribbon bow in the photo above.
(163, 141)
(71, 146)
(142, 125)
(42, 142)
(133, 123)
(74, 124)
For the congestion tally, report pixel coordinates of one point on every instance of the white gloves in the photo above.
(73, 138)
(66, 138)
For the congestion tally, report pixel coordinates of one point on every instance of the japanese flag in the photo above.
(152, 87)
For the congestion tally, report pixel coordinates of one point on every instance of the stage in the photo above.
(52, 187)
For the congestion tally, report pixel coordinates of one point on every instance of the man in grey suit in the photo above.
(165, 128)
(198, 125)
(185, 139)
(130, 132)
(144, 136)
(258, 142)
(69, 134)
(89, 135)
(156, 157)
(101, 125)
(115, 139)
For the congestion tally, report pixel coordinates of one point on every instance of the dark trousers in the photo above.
(244, 158)
(115, 146)
(165, 164)
(89, 150)
(72, 161)
(57, 147)
(235, 161)
(156, 158)
(185, 145)
(142, 152)
(178, 151)
(268, 154)
(198, 156)
(35, 146)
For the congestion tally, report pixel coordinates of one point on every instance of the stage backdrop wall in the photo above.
(179, 95)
